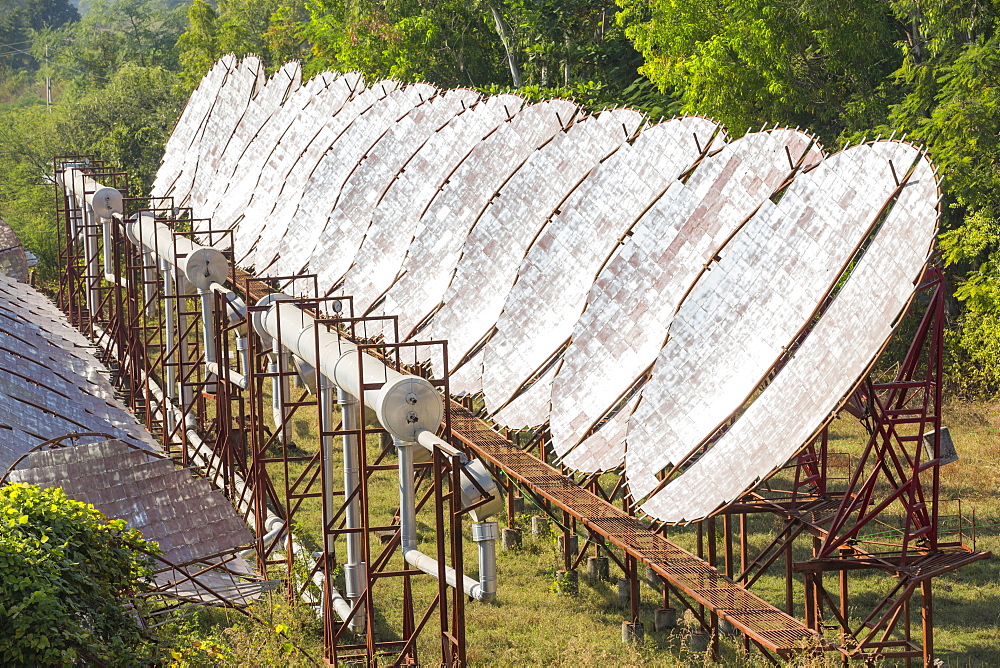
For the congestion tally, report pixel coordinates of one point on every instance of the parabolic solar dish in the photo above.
(825, 368)
(557, 272)
(188, 124)
(265, 102)
(494, 248)
(394, 223)
(284, 174)
(376, 172)
(322, 190)
(445, 224)
(660, 294)
(271, 155)
(218, 126)
(749, 304)
(633, 300)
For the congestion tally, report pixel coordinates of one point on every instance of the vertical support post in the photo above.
(844, 631)
(789, 580)
(727, 534)
(633, 587)
(927, 622)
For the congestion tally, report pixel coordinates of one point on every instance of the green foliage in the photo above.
(951, 103)
(126, 121)
(756, 62)
(19, 19)
(447, 42)
(266, 28)
(66, 572)
(111, 35)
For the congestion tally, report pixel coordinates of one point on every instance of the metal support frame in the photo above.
(220, 421)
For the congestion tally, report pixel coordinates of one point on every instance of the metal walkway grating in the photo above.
(763, 623)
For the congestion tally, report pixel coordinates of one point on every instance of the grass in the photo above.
(530, 624)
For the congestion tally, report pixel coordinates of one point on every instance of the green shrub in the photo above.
(66, 573)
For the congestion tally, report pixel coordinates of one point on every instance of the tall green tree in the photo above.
(447, 42)
(113, 34)
(19, 19)
(951, 102)
(265, 28)
(821, 65)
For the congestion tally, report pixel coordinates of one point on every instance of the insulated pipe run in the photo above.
(355, 570)
(202, 266)
(410, 408)
(483, 591)
(405, 405)
(207, 298)
(169, 342)
(94, 202)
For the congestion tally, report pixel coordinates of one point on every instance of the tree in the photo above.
(265, 28)
(952, 103)
(19, 18)
(115, 33)
(66, 572)
(447, 42)
(821, 65)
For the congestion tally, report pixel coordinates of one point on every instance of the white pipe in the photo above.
(229, 375)
(405, 405)
(201, 265)
(150, 264)
(355, 568)
(169, 342)
(92, 257)
(207, 298)
(109, 274)
(408, 534)
(280, 390)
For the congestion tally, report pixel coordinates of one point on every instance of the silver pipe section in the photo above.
(355, 569)
(408, 535)
(207, 298)
(280, 388)
(170, 340)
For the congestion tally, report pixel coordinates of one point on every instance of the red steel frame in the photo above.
(834, 511)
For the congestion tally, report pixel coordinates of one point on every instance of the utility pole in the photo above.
(48, 81)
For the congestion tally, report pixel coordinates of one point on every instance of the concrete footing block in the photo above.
(567, 582)
(632, 633)
(664, 618)
(510, 539)
(597, 568)
(539, 525)
(574, 543)
(699, 641)
(624, 592)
